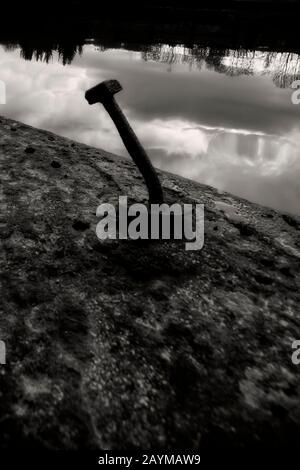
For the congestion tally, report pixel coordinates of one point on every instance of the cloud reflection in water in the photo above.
(238, 133)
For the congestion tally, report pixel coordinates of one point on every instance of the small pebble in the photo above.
(80, 225)
(55, 164)
(29, 150)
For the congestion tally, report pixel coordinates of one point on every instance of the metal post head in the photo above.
(103, 91)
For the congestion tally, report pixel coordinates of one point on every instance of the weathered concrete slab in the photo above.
(139, 344)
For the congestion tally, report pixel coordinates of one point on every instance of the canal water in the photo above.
(223, 118)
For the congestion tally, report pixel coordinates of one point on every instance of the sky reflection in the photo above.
(238, 133)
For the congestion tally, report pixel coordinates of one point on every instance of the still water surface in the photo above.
(225, 121)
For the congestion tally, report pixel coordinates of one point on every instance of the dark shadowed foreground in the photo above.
(125, 344)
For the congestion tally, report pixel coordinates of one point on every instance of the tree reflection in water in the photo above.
(283, 67)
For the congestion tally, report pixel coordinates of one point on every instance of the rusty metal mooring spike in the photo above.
(104, 93)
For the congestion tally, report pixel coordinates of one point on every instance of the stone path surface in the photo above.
(139, 344)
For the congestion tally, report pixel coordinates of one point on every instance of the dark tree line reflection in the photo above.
(44, 50)
(283, 67)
